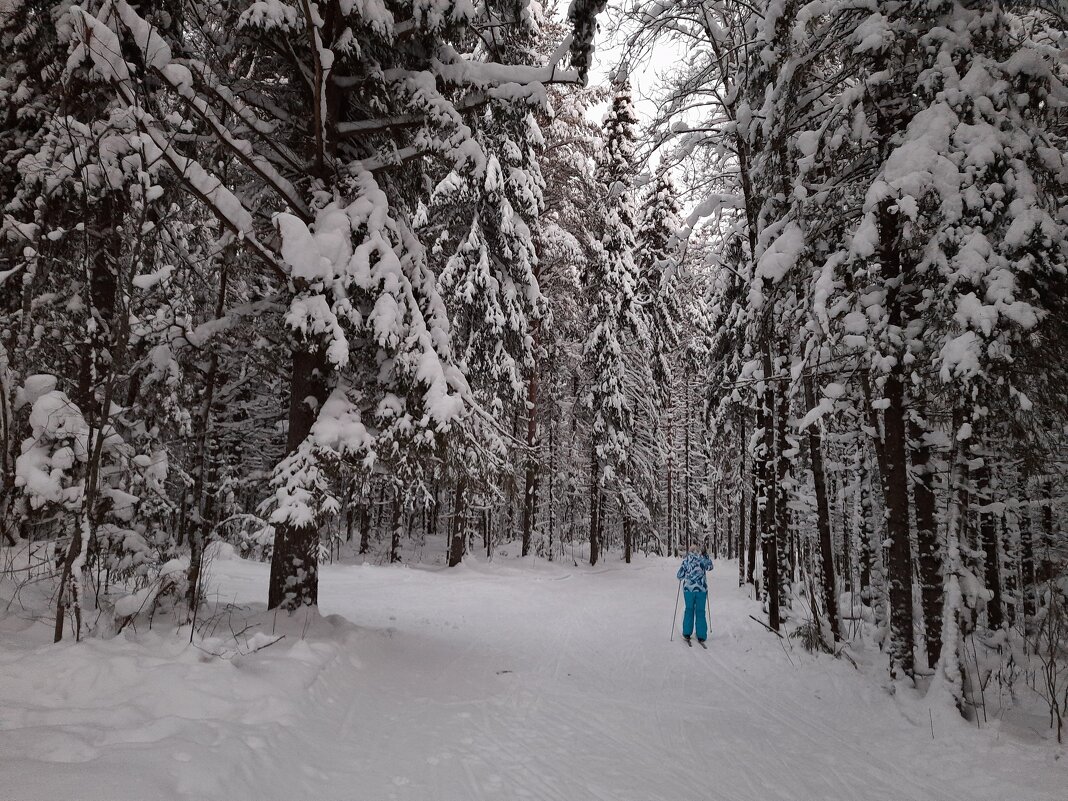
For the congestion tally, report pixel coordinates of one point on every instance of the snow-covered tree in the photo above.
(615, 317)
(657, 262)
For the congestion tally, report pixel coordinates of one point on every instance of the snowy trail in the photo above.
(505, 681)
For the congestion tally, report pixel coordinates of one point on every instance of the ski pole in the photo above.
(674, 616)
(708, 606)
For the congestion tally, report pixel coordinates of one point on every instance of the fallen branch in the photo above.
(765, 625)
(842, 654)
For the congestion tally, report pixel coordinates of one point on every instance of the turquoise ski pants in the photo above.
(695, 608)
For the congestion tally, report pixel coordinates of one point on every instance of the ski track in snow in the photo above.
(488, 681)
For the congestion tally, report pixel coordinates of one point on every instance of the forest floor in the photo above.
(495, 680)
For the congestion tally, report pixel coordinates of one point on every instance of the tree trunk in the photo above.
(950, 658)
(365, 517)
(197, 533)
(295, 562)
(595, 505)
(395, 527)
(783, 537)
(823, 516)
(930, 554)
(1027, 560)
(730, 533)
(895, 495)
(750, 568)
(893, 446)
(769, 492)
(686, 477)
(988, 538)
(1046, 572)
(669, 520)
(97, 363)
(867, 553)
(459, 529)
(530, 502)
(1010, 543)
(742, 481)
(552, 490)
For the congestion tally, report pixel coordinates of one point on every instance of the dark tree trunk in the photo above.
(1046, 572)
(686, 477)
(458, 535)
(595, 506)
(893, 446)
(395, 527)
(197, 533)
(823, 515)
(435, 509)
(730, 535)
(380, 509)
(742, 480)
(530, 483)
(1027, 560)
(365, 518)
(295, 562)
(97, 360)
(988, 539)
(899, 556)
(1010, 577)
(769, 493)
(783, 537)
(930, 553)
(867, 554)
(350, 511)
(552, 484)
(847, 537)
(750, 567)
(669, 519)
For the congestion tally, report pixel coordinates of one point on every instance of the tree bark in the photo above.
(893, 445)
(930, 553)
(750, 567)
(1027, 559)
(459, 529)
(823, 516)
(783, 536)
(742, 481)
(294, 578)
(365, 516)
(670, 522)
(395, 527)
(686, 477)
(769, 493)
(988, 538)
(1046, 572)
(595, 506)
(530, 488)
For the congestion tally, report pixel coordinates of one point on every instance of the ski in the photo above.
(688, 641)
(702, 644)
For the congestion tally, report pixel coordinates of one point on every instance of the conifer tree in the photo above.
(611, 284)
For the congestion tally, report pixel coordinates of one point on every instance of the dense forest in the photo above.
(397, 280)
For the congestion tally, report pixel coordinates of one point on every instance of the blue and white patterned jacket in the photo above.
(692, 572)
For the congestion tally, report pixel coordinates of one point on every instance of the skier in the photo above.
(695, 590)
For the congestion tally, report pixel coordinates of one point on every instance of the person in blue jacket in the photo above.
(695, 590)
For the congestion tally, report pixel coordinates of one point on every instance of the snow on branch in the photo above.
(454, 68)
(103, 46)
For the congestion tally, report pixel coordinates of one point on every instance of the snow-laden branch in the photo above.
(102, 45)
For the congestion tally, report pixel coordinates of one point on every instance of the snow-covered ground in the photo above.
(502, 680)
